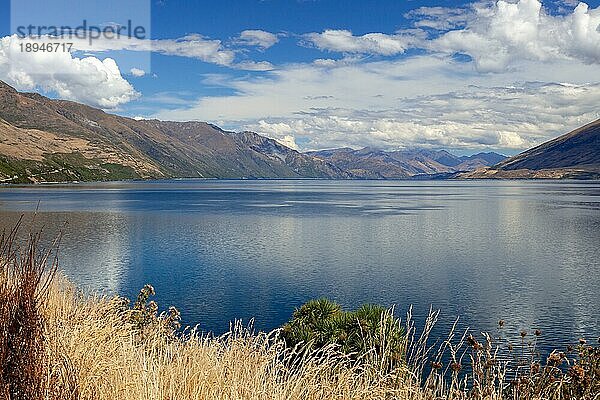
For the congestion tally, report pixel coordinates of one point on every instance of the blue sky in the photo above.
(465, 76)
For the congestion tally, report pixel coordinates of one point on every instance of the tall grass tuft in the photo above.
(58, 343)
(25, 274)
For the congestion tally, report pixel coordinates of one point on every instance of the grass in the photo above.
(24, 285)
(58, 343)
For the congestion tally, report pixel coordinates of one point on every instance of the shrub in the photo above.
(370, 332)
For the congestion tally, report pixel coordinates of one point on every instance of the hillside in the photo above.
(55, 140)
(573, 155)
(377, 164)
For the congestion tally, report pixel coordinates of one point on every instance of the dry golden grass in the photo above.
(57, 343)
(96, 353)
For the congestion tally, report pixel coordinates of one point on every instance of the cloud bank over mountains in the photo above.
(487, 75)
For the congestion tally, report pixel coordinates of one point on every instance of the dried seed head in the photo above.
(174, 312)
(577, 373)
(152, 307)
(455, 366)
(582, 341)
(149, 289)
(501, 323)
(471, 341)
(436, 365)
(523, 333)
(537, 332)
(554, 358)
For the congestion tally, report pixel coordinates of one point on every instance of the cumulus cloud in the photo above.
(530, 75)
(88, 80)
(259, 38)
(475, 119)
(193, 46)
(282, 132)
(418, 101)
(137, 72)
(546, 64)
(496, 36)
(371, 43)
(289, 141)
(499, 37)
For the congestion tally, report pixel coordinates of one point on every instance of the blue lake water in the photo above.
(523, 251)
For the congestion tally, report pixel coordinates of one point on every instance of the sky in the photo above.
(463, 76)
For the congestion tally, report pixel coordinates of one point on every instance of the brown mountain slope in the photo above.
(55, 140)
(573, 155)
(579, 148)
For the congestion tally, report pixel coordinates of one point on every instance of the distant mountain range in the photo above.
(45, 140)
(377, 164)
(573, 155)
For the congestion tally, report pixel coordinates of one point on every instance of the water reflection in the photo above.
(525, 252)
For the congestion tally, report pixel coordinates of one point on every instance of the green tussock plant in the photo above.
(369, 333)
(59, 343)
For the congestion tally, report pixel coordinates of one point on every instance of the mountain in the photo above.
(44, 140)
(365, 163)
(479, 160)
(573, 155)
(378, 164)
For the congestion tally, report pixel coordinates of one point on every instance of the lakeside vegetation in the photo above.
(58, 343)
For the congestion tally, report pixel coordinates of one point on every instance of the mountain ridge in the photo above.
(575, 154)
(368, 163)
(45, 140)
(48, 140)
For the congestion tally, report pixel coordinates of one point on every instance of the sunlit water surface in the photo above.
(527, 252)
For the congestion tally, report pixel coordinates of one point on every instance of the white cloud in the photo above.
(190, 46)
(88, 80)
(439, 18)
(137, 72)
(500, 36)
(495, 35)
(544, 82)
(289, 141)
(255, 37)
(250, 65)
(97, 82)
(533, 75)
(371, 43)
(471, 119)
(427, 100)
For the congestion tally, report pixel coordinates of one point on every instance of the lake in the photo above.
(523, 251)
